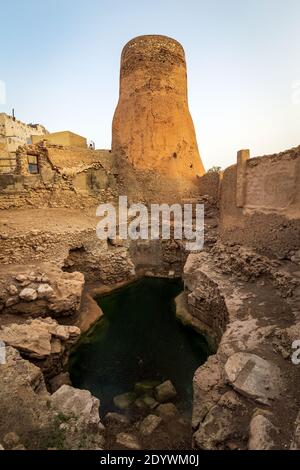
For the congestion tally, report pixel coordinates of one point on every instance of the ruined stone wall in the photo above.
(273, 183)
(209, 184)
(260, 202)
(77, 177)
(152, 125)
(67, 177)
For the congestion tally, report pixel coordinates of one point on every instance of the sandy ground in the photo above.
(17, 221)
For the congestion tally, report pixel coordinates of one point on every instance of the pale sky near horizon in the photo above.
(60, 61)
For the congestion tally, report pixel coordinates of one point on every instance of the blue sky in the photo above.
(60, 62)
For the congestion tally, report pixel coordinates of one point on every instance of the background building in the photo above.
(14, 133)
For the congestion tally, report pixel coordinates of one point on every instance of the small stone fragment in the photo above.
(28, 294)
(44, 291)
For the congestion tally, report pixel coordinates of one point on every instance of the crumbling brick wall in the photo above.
(65, 177)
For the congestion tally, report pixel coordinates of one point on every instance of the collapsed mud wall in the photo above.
(57, 176)
(14, 133)
(209, 184)
(260, 202)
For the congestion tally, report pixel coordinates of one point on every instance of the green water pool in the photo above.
(139, 338)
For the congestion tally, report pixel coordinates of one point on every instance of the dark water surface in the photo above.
(139, 338)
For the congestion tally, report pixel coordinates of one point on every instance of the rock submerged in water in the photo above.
(165, 392)
(167, 410)
(124, 400)
(149, 401)
(142, 396)
(145, 387)
(127, 441)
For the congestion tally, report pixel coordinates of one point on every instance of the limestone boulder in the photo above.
(220, 426)
(28, 294)
(38, 338)
(67, 295)
(23, 372)
(27, 409)
(208, 383)
(253, 377)
(34, 342)
(80, 404)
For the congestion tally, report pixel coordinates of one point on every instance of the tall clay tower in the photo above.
(152, 125)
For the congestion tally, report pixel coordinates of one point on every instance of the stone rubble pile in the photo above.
(147, 418)
(248, 265)
(36, 293)
(39, 338)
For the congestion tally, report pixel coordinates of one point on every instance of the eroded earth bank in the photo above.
(246, 303)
